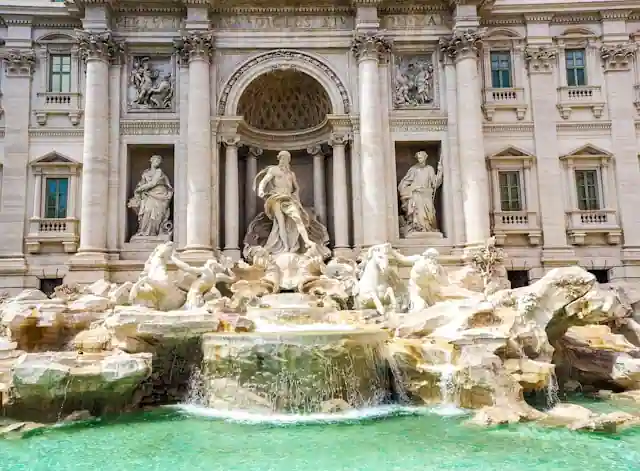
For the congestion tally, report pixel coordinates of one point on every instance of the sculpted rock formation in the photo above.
(288, 332)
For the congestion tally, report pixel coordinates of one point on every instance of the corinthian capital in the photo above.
(370, 46)
(540, 58)
(462, 43)
(19, 62)
(98, 46)
(618, 56)
(195, 45)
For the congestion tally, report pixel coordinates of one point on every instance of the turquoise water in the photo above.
(170, 440)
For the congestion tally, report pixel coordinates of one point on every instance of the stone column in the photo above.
(251, 205)
(340, 197)
(541, 61)
(319, 190)
(196, 49)
(368, 48)
(463, 48)
(231, 199)
(617, 60)
(98, 50)
(37, 197)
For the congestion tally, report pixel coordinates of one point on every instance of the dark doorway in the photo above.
(518, 278)
(602, 276)
(48, 285)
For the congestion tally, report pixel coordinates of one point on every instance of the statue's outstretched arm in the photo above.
(185, 267)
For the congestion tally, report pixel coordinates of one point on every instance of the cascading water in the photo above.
(446, 383)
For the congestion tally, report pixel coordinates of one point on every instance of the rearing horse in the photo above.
(379, 282)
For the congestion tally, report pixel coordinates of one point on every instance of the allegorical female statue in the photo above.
(151, 201)
(290, 227)
(417, 196)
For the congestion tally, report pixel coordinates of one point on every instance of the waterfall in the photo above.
(446, 382)
(196, 389)
(552, 391)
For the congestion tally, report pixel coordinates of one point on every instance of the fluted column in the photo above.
(340, 197)
(617, 60)
(319, 190)
(251, 205)
(231, 198)
(98, 49)
(196, 48)
(368, 48)
(463, 47)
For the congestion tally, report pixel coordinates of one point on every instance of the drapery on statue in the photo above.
(284, 226)
(151, 201)
(417, 196)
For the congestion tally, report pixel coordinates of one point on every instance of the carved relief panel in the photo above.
(414, 82)
(151, 83)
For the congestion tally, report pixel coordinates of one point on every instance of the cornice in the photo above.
(149, 127)
(37, 132)
(508, 128)
(582, 127)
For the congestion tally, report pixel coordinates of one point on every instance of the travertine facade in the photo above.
(527, 111)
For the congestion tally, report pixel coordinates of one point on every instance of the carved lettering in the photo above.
(276, 22)
(411, 21)
(151, 23)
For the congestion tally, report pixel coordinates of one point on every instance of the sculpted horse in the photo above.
(155, 288)
(380, 285)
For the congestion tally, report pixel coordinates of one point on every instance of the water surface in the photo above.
(193, 440)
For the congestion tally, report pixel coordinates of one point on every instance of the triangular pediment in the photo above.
(54, 158)
(511, 153)
(588, 150)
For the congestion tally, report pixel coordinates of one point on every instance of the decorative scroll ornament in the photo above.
(617, 56)
(339, 139)
(194, 45)
(540, 59)
(19, 62)
(370, 46)
(462, 42)
(100, 46)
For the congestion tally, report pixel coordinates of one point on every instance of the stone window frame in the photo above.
(590, 157)
(58, 103)
(504, 40)
(526, 221)
(579, 38)
(55, 165)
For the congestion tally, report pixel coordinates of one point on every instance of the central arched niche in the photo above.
(284, 100)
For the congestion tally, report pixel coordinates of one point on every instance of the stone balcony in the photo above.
(49, 103)
(588, 96)
(52, 232)
(583, 223)
(508, 99)
(506, 223)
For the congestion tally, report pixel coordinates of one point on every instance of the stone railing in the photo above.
(525, 223)
(52, 232)
(51, 103)
(587, 96)
(604, 221)
(504, 99)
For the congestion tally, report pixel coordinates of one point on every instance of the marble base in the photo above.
(155, 240)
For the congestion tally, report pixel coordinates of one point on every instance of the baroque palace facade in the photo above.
(421, 123)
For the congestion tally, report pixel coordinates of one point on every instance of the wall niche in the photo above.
(415, 227)
(150, 221)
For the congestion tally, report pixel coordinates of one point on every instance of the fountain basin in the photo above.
(295, 371)
(288, 308)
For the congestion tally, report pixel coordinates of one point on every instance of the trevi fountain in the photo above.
(303, 354)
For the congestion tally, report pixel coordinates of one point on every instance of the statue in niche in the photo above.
(413, 83)
(151, 201)
(417, 191)
(153, 88)
(284, 226)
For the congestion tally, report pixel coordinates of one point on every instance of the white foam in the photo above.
(352, 415)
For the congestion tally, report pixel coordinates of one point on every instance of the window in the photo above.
(49, 285)
(57, 190)
(60, 73)
(587, 188)
(518, 278)
(510, 191)
(576, 69)
(602, 276)
(501, 70)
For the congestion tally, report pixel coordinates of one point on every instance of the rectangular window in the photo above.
(587, 188)
(501, 70)
(56, 197)
(60, 73)
(510, 191)
(576, 67)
